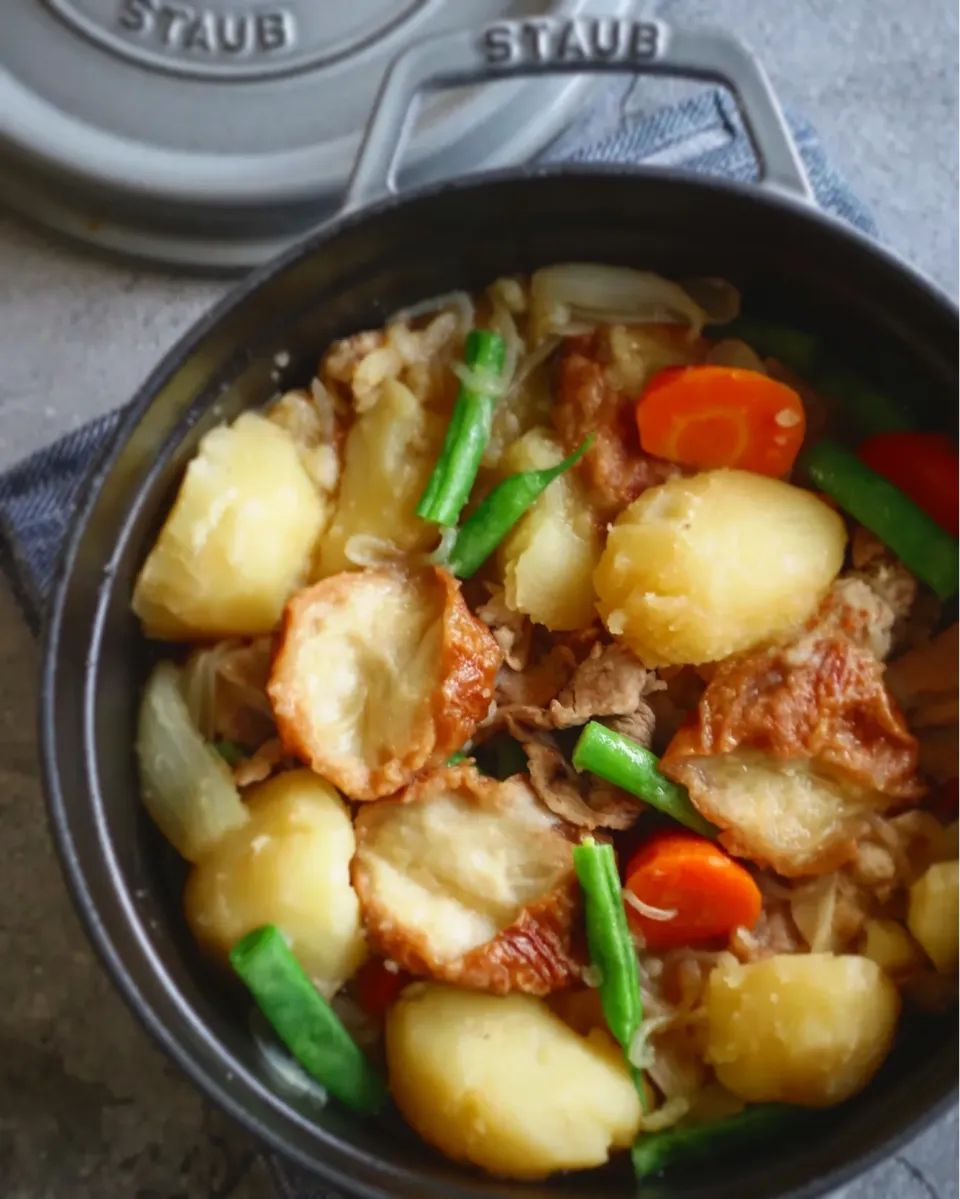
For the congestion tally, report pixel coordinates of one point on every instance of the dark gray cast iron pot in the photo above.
(789, 259)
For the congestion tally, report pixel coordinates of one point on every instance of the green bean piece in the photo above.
(918, 541)
(231, 752)
(456, 758)
(798, 350)
(453, 476)
(305, 1022)
(485, 528)
(656, 1151)
(627, 764)
(867, 411)
(612, 951)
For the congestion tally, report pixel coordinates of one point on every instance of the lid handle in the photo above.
(550, 46)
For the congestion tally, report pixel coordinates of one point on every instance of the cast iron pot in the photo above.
(351, 274)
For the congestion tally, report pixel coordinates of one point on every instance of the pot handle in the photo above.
(552, 46)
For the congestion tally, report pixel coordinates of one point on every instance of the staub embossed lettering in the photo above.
(586, 40)
(195, 30)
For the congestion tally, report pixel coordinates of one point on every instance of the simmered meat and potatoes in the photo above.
(558, 712)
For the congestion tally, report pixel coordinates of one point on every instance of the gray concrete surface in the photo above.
(88, 1109)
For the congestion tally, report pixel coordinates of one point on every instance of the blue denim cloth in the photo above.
(37, 497)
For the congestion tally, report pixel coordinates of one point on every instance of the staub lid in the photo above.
(211, 133)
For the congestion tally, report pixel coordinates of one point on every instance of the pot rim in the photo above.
(232, 1086)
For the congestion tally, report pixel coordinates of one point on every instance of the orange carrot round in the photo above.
(712, 416)
(378, 988)
(706, 892)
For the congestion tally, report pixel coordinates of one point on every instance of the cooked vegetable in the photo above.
(380, 673)
(810, 1029)
(888, 943)
(503, 1084)
(711, 416)
(232, 753)
(378, 987)
(288, 866)
(238, 540)
(924, 466)
(697, 891)
(470, 881)
(498, 512)
(574, 297)
(867, 410)
(933, 913)
(624, 762)
(924, 548)
(453, 476)
(657, 1151)
(793, 347)
(547, 561)
(700, 568)
(612, 951)
(387, 458)
(186, 786)
(304, 1021)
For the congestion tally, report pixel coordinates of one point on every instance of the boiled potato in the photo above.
(289, 866)
(548, 560)
(810, 1029)
(238, 540)
(504, 1084)
(703, 567)
(888, 943)
(390, 454)
(932, 914)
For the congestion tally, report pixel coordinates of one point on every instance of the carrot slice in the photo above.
(699, 891)
(924, 466)
(712, 416)
(378, 988)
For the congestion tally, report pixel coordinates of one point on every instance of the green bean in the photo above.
(918, 541)
(627, 764)
(794, 348)
(304, 1021)
(612, 951)
(483, 531)
(453, 476)
(656, 1151)
(867, 411)
(231, 752)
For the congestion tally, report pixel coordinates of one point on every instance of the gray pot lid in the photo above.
(212, 133)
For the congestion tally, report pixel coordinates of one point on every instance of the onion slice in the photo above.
(186, 786)
(576, 297)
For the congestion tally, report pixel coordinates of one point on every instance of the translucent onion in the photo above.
(733, 352)
(576, 297)
(186, 786)
(718, 298)
(641, 1053)
(479, 381)
(198, 682)
(459, 302)
(647, 909)
(283, 1068)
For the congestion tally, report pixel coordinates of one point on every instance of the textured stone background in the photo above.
(88, 1109)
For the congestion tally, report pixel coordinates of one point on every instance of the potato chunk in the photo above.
(810, 1029)
(548, 560)
(470, 881)
(289, 866)
(933, 914)
(380, 673)
(238, 540)
(390, 452)
(503, 1084)
(703, 567)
